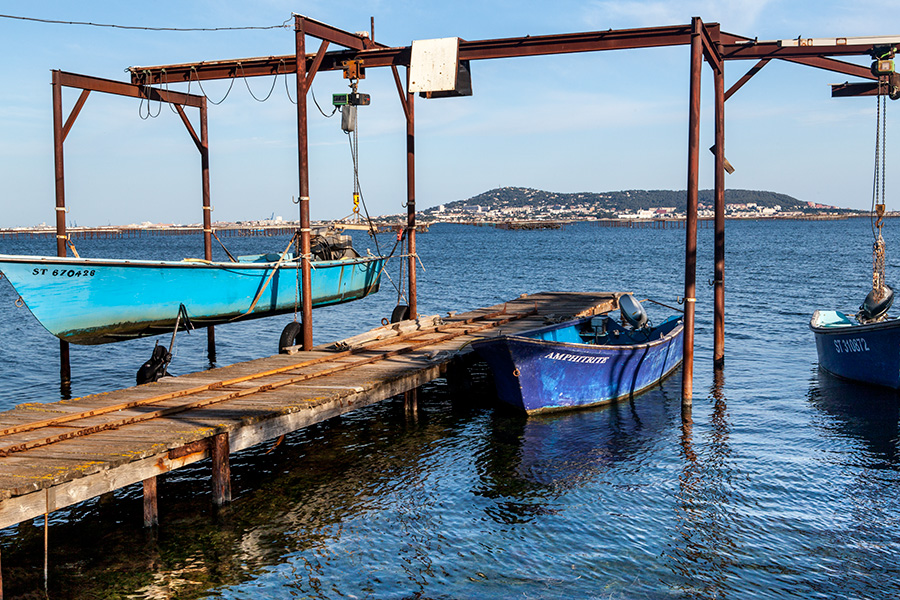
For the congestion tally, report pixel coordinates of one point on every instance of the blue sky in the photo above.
(585, 122)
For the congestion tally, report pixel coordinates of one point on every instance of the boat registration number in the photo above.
(64, 272)
(854, 345)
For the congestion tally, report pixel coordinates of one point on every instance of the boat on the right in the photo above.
(865, 346)
(868, 352)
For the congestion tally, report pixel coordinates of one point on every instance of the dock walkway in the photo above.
(58, 454)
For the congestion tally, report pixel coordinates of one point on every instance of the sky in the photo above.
(590, 122)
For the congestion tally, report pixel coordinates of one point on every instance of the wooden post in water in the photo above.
(221, 470)
(690, 255)
(151, 504)
(719, 251)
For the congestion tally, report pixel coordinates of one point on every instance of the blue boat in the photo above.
(583, 362)
(88, 301)
(865, 352)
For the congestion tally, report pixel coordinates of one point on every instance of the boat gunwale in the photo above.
(180, 264)
(893, 323)
(678, 329)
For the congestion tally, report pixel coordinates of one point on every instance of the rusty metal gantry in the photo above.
(707, 42)
(61, 129)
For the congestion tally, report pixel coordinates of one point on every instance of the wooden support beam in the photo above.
(221, 470)
(151, 506)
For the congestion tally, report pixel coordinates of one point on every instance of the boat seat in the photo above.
(833, 318)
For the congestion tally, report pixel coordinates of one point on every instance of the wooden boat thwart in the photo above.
(88, 301)
(583, 362)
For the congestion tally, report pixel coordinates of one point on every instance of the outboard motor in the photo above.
(632, 311)
(873, 310)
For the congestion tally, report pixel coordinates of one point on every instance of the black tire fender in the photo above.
(400, 313)
(290, 336)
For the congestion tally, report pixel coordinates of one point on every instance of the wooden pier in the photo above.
(58, 454)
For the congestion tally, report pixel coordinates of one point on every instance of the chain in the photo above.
(878, 193)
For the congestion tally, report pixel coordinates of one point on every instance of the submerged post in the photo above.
(151, 505)
(690, 254)
(221, 469)
(303, 150)
(65, 372)
(719, 276)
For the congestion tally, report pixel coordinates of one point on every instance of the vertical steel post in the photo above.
(303, 149)
(719, 276)
(207, 212)
(411, 199)
(65, 371)
(690, 253)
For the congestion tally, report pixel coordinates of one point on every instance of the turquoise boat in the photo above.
(97, 301)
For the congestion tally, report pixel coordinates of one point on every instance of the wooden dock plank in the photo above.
(253, 402)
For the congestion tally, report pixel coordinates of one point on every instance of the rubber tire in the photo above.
(401, 313)
(290, 336)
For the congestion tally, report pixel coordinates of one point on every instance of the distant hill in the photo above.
(617, 202)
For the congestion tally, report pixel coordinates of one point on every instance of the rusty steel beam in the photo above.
(750, 49)
(690, 252)
(303, 174)
(119, 88)
(383, 56)
(712, 46)
(329, 33)
(853, 90)
(837, 66)
(719, 221)
(747, 76)
(411, 199)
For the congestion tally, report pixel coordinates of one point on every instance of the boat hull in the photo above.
(543, 375)
(86, 301)
(867, 353)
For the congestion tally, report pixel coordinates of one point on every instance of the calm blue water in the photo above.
(786, 484)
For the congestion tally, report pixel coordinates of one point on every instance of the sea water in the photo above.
(785, 482)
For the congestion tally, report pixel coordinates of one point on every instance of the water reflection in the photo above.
(705, 538)
(529, 462)
(298, 517)
(864, 541)
(860, 412)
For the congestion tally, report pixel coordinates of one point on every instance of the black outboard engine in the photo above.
(873, 310)
(632, 311)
